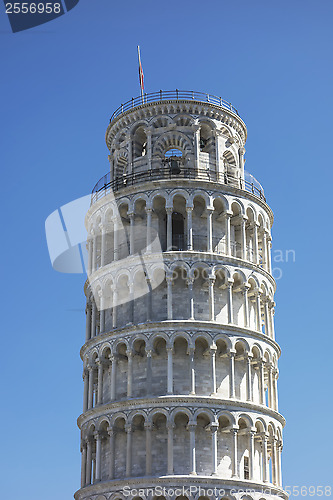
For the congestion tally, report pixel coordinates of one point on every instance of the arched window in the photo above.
(178, 239)
(139, 143)
(173, 158)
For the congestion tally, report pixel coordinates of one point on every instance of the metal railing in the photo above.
(105, 185)
(172, 95)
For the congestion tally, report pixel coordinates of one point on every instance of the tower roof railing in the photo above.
(172, 95)
(105, 185)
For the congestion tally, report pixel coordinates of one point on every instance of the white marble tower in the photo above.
(180, 359)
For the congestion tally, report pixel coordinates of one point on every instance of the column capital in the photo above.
(97, 435)
(170, 426)
(128, 428)
(149, 210)
(242, 151)
(149, 353)
(191, 426)
(189, 208)
(169, 210)
(148, 426)
(213, 427)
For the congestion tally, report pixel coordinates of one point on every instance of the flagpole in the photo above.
(140, 74)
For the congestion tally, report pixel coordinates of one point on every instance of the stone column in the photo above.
(191, 299)
(88, 321)
(100, 383)
(115, 238)
(227, 217)
(248, 377)
(114, 307)
(129, 373)
(148, 427)
(230, 305)
(241, 153)
(131, 235)
(266, 313)
(86, 389)
(192, 370)
(113, 376)
(149, 146)
(265, 464)
(170, 427)
(169, 297)
(112, 451)
(211, 281)
(191, 428)
(255, 243)
(170, 370)
(209, 229)
(258, 310)
(149, 300)
(234, 456)
(196, 146)
(251, 454)
(243, 237)
(217, 154)
(274, 468)
(270, 386)
(261, 382)
(131, 293)
(189, 228)
(279, 468)
(103, 241)
(83, 463)
(94, 252)
(98, 456)
(149, 212)
(91, 387)
(90, 256)
(231, 355)
(269, 257)
(101, 312)
(213, 350)
(169, 211)
(271, 318)
(264, 250)
(246, 304)
(149, 372)
(213, 428)
(93, 319)
(128, 429)
(89, 461)
(275, 391)
(130, 154)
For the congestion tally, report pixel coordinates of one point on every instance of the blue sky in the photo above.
(60, 83)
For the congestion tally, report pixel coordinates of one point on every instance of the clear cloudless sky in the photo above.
(60, 82)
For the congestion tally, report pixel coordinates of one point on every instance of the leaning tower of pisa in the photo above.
(180, 358)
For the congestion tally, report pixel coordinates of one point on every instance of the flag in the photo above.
(140, 72)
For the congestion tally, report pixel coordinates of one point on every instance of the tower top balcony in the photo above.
(176, 102)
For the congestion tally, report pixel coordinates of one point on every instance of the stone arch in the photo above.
(172, 139)
(183, 119)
